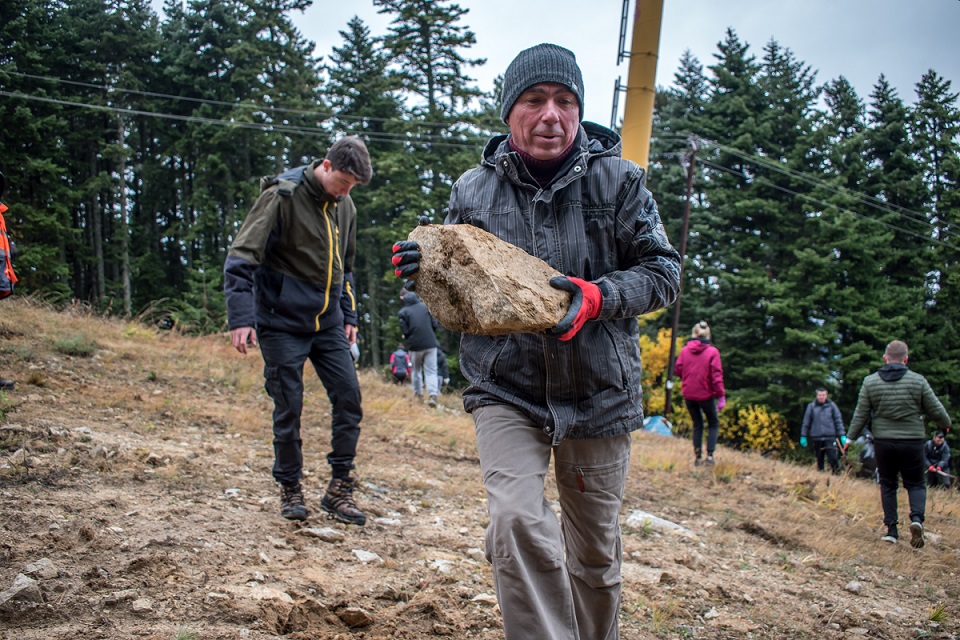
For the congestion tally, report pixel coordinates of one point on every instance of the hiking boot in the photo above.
(7, 385)
(916, 534)
(291, 502)
(891, 536)
(432, 402)
(710, 461)
(338, 501)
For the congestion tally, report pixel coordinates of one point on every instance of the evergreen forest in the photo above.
(823, 224)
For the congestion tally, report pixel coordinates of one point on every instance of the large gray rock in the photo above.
(473, 282)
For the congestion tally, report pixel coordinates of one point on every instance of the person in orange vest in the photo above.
(7, 277)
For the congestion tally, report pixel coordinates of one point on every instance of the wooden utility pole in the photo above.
(691, 163)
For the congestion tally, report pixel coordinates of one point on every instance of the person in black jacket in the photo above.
(936, 458)
(289, 285)
(559, 189)
(823, 424)
(419, 334)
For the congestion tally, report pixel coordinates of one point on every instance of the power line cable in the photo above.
(862, 198)
(790, 192)
(277, 127)
(223, 103)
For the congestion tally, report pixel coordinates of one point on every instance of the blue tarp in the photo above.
(658, 424)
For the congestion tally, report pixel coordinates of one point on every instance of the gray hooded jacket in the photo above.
(595, 221)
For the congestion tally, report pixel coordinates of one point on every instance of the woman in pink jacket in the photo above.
(701, 374)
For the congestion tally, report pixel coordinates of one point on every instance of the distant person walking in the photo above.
(936, 458)
(823, 425)
(419, 328)
(399, 364)
(701, 374)
(898, 399)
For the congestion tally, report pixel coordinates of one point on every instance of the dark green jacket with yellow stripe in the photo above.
(291, 265)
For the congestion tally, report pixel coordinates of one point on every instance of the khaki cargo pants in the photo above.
(554, 580)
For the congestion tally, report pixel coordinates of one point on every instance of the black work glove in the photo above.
(406, 258)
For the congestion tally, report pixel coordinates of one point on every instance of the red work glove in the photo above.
(932, 468)
(939, 469)
(585, 305)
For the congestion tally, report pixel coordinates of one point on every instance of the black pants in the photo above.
(284, 355)
(826, 448)
(903, 457)
(698, 410)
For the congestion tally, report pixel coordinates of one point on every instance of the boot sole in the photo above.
(916, 535)
(359, 521)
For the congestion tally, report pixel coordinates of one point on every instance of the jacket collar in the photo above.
(592, 141)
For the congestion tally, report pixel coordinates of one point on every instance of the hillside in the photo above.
(137, 502)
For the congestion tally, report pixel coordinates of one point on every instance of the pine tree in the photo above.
(936, 126)
(363, 92)
(425, 42)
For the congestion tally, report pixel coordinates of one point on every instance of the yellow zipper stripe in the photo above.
(334, 250)
(353, 301)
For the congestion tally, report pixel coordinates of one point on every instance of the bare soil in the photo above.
(135, 492)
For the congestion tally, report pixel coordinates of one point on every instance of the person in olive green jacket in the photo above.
(288, 281)
(897, 399)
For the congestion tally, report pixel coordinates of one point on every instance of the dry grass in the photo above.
(831, 518)
(171, 383)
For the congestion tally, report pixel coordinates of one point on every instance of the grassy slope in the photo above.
(138, 463)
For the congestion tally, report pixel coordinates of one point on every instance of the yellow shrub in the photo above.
(655, 354)
(754, 428)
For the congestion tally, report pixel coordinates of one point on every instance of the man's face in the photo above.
(821, 396)
(937, 440)
(335, 182)
(544, 120)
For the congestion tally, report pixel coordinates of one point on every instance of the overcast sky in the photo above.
(859, 39)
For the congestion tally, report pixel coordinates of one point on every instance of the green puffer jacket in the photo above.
(896, 400)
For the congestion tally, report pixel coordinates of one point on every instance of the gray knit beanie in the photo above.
(541, 63)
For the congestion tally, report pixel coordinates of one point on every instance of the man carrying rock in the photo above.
(559, 189)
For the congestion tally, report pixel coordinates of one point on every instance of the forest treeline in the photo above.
(823, 223)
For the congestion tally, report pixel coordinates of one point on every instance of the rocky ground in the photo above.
(137, 502)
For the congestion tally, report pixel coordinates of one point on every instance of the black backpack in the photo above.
(289, 180)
